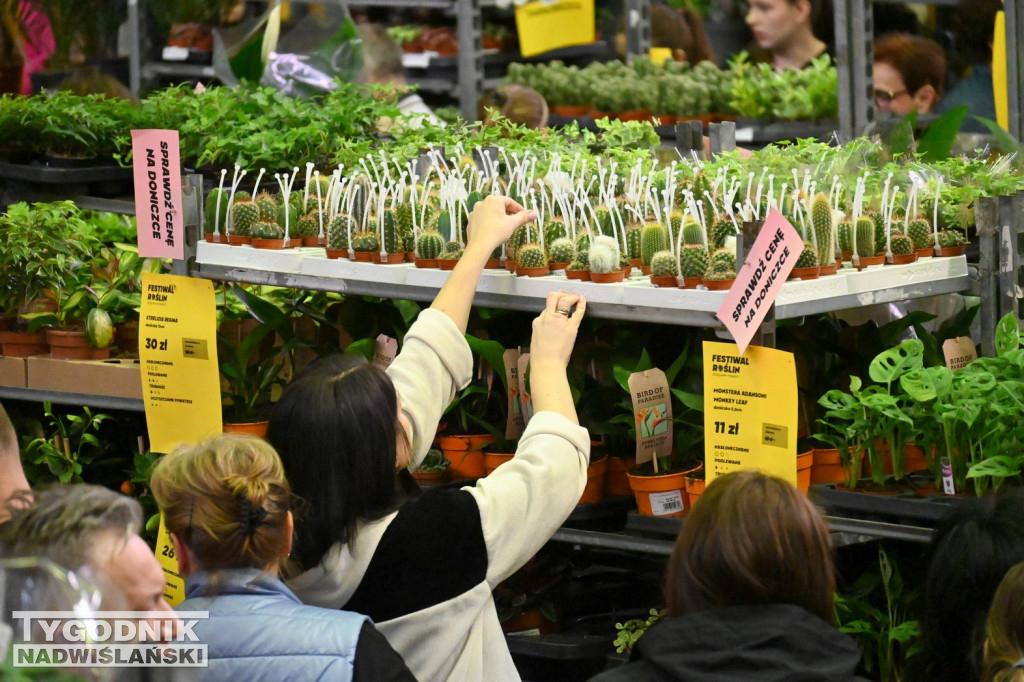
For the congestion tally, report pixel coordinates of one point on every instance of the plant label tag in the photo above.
(384, 351)
(156, 167)
(959, 352)
(652, 414)
(663, 504)
(546, 25)
(525, 402)
(760, 280)
(515, 423)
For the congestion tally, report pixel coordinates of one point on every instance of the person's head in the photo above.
(909, 73)
(972, 550)
(89, 526)
(775, 24)
(226, 503)
(1004, 643)
(342, 437)
(518, 104)
(680, 30)
(732, 551)
(382, 56)
(973, 27)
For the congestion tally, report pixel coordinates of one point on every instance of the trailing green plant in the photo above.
(70, 448)
(629, 633)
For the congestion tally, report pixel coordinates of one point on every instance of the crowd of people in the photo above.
(376, 580)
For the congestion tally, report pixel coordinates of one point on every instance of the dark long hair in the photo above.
(972, 551)
(732, 551)
(336, 429)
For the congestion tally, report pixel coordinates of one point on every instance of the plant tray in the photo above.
(42, 174)
(901, 508)
(608, 513)
(664, 526)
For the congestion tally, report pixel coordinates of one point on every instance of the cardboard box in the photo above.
(12, 372)
(120, 378)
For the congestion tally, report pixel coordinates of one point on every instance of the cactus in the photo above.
(675, 220)
(900, 244)
(624, 260)
(582, 242)
(633, 241)
(242, 195)
(693, 260)
(693, 233)
(531, 256)
(722, 260)
(403, 213)
(948, 238)
(210, 210)
(808, 258)
(337, 232)
(365, 241)
(700, 184)
(554, 229)
(720, 229)
(268, 206)
(561, 250)
(306, 226)
(267, 229)
(920, 232)
(451, 251)
(393, 242)
(580, 262)
(879, 222)
(845, 235)
(865, 236)
(824, 228)
(429, 244)
(519, 236)
(604, 255)
(603, 224)
(653, 238)
(244, 215)
(664, 264)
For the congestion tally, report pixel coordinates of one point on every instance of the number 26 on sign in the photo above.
(728, 429)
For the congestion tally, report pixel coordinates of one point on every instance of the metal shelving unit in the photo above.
(65, 398)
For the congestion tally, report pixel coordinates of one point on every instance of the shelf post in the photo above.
(1014, 11)
(987, 219)
(638, 28)
(469, 23)
(854, 61)
(192, 215)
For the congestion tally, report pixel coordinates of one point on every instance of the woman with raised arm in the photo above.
(423, 568)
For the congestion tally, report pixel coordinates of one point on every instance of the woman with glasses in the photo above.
(908, 74)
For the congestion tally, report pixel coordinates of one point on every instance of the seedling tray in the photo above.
(904, 508)
(50, 175)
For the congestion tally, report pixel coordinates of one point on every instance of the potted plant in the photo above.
(189, 22)
(434, 469)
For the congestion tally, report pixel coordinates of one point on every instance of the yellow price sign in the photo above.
(547, 25)
(750, 410)
(174, 585)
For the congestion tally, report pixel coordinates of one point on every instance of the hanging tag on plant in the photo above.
(156, 166)
(525, 403)
(515, 423)
(959, 352)
(384, 351)
(174, 584)
(652, 414)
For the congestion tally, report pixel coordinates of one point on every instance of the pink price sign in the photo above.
(156, 162)
(759, 281)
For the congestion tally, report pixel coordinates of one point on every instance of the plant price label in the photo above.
(959, 352)
(174, 585)
(385, 349)
(156, 168)
(750, 410)
(514, 424)
(652, 414)
(663, 504)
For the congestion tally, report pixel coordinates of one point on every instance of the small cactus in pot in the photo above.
(531, 256)
(920, 232)
(693, 260)
(429, 245)
(561, 250)
(604, 256)
(337, 232)
(451, 251)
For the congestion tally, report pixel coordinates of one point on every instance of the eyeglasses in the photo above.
(884, 97)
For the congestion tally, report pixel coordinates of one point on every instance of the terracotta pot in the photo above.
(259, 243)
(690, 282)
(901, 258)
(431, 477)
(424, 263)
(529, 622)
(493, 460)
(511, 265)
(128, 337)
(627, 271)
(570, 111)
(582, 275)
(533, 272)
(493, 264)
(594, 491)
(866, 261)
(665, 281)
(718, 284)
(948, 251)
(826, 270)
(215, 238)
(558, 266)
(828, 466)
(597, 113)
(804, 462)
(616, 483)
(694, 489)
(390, 259)
(254, 428)
(645, 269)
(633, 115)
(23, 344)
(847, 255)
(310, 241)
(607, 277)
(447, 263)
(636, 263)
(926, 253)
(465, 453)
(914, 458)
(67, 345)
(337, 253)
(238, 240)
(363, 256)
(805, 273)
(410, 256)
(660, 495)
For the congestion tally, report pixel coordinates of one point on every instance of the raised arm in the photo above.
(492, 222)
